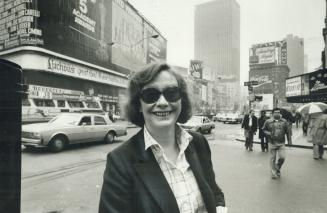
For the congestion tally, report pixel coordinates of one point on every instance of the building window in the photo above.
(44, 103)
(61, 103)
(75, 104)
(90, 104)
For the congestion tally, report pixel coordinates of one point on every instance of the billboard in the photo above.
(81, 29)
(196, 69)
(270, 53)
(293, 86)
(267, 102)
(318, 82)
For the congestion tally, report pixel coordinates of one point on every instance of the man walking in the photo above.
(262, 136)
(249, 124)
(276, 128)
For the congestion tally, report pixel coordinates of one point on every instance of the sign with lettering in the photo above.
(318, 82)
(62, 67)
(293, 86)
(196, 69)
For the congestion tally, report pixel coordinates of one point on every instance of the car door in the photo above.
(84, 132)
(101, 128)
(206, 124)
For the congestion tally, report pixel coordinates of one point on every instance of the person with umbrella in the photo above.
(317, 133)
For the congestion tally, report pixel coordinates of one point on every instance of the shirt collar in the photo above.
(182, 136)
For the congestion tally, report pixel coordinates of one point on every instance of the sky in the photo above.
(261, 21)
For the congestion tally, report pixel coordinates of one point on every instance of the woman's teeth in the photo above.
(161, 114)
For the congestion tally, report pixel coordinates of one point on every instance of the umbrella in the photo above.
(287, 115)
(312, 107)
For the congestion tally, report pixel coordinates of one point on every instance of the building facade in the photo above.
(295, 55)
(76, 55)
(217, 44)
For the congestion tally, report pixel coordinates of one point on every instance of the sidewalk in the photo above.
(298, 139)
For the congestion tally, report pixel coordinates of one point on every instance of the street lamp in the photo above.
(153, 36)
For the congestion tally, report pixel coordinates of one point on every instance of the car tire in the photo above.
(29, 147)
(58, 143)
(110, 137)
(209, 131)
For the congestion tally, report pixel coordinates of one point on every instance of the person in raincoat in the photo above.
(317, 133)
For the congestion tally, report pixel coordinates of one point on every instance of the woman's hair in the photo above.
(144, 77)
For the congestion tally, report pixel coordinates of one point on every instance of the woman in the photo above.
(162, 168)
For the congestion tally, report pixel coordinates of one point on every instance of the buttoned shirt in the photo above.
(179, 175)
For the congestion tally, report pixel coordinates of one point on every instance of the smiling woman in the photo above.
(162, 168)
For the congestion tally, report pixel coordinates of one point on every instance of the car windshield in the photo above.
(65, 119)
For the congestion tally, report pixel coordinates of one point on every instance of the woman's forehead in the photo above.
(162, 80)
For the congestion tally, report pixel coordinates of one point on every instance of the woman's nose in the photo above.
(162, 100)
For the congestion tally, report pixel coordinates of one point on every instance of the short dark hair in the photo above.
(276, 109)
(144, 77)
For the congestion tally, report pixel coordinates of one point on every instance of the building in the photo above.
(271, 80)
(76, 55)
(295, 55)
(217, 43)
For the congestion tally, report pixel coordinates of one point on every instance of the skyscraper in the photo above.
(217, 43)
(217, 36)
(295, 54)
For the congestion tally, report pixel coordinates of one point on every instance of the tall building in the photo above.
(217, 42)
(295, 54)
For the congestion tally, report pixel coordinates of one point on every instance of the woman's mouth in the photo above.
(162, 114)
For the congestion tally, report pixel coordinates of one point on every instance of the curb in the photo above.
(293, 145)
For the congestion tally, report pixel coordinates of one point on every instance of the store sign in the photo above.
(318, 82)
(293, 86)
(36, 91)
(62, 67)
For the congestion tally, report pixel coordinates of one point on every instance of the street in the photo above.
(70, 181)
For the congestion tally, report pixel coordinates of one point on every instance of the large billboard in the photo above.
(270, 53)
(318, 82)
(81, 29)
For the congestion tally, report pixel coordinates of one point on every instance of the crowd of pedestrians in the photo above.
(275, 131)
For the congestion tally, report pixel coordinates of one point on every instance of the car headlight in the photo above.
(35, 135)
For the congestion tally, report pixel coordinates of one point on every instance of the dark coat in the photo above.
(134, 183)
(245, 123)
(261, 122)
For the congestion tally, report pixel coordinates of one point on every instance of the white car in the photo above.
(233, 118)
(198, 123)
(71, 128)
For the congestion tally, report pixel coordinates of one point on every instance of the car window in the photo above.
(86, 120)
(61, 103)
(99, 120)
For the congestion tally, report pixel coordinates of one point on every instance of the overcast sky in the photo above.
(261, 21)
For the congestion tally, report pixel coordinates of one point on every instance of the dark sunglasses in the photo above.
(151, 95)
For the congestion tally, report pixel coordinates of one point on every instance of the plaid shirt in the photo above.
(179, 176)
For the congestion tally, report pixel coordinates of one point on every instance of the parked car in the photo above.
(233, 118)
(198, 123)
(71, 128)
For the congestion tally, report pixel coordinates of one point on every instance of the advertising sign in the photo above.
(266, 103)
(81, 29)
(18, 24)
(196, 69)
(268, 53)
(293, 86)
(318, 82)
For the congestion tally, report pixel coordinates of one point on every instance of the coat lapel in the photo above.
(207, 194)
(154, 180)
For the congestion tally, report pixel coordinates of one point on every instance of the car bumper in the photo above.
(32, 142)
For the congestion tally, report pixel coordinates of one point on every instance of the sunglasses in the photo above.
(151, 95)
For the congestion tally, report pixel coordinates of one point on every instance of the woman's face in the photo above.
(162, 112)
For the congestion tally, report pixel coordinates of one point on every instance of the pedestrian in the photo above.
(110, 115)
(262, 136)
(276, 128)
(249, 124)
(317, 133)
(305, 123)
(297, 119)
(162, 168)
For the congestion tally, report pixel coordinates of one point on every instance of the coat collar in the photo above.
(154, 180)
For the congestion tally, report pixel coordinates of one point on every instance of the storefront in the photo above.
(310, 87)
